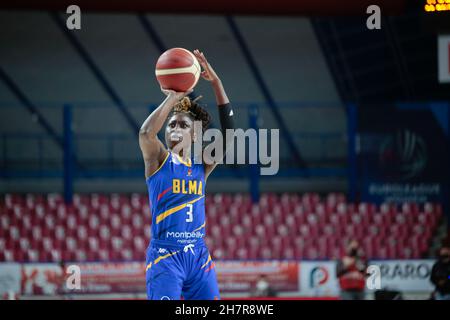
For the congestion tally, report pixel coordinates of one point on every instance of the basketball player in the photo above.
(178, 261)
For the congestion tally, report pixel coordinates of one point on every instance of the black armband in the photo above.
(226, 117)
(226, 122)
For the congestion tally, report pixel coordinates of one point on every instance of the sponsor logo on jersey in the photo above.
(184, 234)
(187, 186)
(162, 251)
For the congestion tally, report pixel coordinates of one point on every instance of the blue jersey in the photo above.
(177, 201)
(178, 262)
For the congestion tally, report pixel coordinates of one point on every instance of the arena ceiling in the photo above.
(247, 7)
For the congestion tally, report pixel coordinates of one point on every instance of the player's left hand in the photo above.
(208, 72)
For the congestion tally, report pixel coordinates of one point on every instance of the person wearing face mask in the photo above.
(263, 288)
(440, 274)
(351, 272)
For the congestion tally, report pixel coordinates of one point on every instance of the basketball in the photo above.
(177, 69)
(174, 150)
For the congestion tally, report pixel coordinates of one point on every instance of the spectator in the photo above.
(61, 279)
(351, 272)
(440, 274)
(263, 288)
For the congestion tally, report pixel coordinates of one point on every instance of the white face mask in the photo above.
(176, 136)
(262, 285)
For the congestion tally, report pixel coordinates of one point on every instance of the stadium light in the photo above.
(437, 5)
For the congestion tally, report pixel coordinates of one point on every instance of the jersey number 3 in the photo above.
(190, 217)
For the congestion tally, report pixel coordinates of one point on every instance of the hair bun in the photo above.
(183, 106)
(193, 109)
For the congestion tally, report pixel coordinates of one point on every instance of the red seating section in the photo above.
(289, 226)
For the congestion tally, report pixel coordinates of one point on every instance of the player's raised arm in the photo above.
(153, 150)
(223, 103)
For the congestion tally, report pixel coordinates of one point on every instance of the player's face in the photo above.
(179, 130)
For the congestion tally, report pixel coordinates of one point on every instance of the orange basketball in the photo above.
(177, 69)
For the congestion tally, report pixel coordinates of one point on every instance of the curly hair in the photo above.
(194, 110)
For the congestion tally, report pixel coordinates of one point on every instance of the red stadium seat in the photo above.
(104, 255)
(117, 226)
(265, 253)
(16, 255)
(241, 253)
(288, 253)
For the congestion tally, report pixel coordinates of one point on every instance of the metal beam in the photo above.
(31, 107)
(35, 112)
(235, 7)
(96, 71)
(265, 90)
(68, 154)
(151, 32)
(157, 41)
(351, 150)
(320, 34)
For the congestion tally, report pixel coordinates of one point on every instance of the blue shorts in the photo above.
(174, 271)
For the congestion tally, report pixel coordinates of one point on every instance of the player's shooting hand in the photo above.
(208, 72)
(175, 95)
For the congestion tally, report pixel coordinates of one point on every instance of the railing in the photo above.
(40, 162)
(36, 161)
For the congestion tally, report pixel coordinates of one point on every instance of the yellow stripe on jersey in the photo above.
(206, 263)
(203, 225)
(164, 161)
(187, 163)
(167, 213)
(164, 257)
(159, 259)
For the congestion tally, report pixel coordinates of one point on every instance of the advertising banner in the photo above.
(120, 277)
(318, 279)
(241, 276)
(42, 279)
(10, 278)
(49, 279)
(406, 275)
(402, 153)
(307, 279)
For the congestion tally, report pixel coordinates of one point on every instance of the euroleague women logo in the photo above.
(319, 276)
(404, 155)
